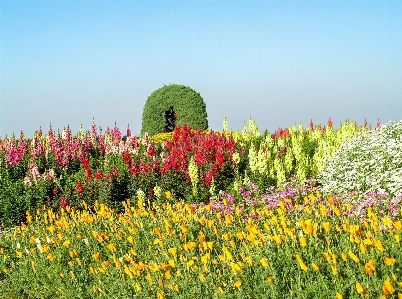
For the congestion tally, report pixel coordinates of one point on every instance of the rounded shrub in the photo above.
(370, 162)
(188, 105)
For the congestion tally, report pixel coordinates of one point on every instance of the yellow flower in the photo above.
(270, 280)
(379, 245)
(389, 261)
(97, 256)
(202, 277)
(360, 289)
(327, 226)
(111, 247)
(388, 288)
(130, 239)
(173, 251)
(221, 290)
(344, 257)
(301, 263)
(167, 275)
(353, 256)
(160, 295)
(189, 264)
(362, 248)
(264, 262)
(237, 284)
(303, 241)
(338, 296)
(315, 267)
(168, 194)
(67, 243)
(172, 263)
(277, 239)
(50, 257)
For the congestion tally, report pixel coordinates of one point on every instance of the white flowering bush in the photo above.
(370, 162)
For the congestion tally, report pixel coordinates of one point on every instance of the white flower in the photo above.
(18, 245)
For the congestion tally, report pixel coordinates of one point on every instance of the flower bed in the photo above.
(192, 213)
(282, 243)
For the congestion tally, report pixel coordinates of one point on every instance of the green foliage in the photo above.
(187, 103)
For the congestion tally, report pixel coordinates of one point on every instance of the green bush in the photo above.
(188, 105)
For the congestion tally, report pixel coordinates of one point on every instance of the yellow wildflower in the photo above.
(388, 288)
(360, 289)
(264, 262)
(389, 261)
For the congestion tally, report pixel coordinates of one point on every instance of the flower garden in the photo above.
(304, 212)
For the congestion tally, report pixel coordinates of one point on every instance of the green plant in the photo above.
(188, 105)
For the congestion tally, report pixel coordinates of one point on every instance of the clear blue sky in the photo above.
(279, 62)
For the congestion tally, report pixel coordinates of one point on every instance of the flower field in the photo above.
(191, 213)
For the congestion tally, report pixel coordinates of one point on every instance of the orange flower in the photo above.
(270, 280)
(369, 267)
(50, 257)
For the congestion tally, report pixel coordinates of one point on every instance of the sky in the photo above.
(67, 62)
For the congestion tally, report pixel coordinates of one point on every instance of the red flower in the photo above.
(80, 189)
(63, 201)
(89, 174)
(134, 169)
(151, 150)
(330, 123)
(127, 159)
(85, 163)
(99, 175)
(209, 177)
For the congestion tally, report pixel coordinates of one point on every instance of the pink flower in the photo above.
(27, 181)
